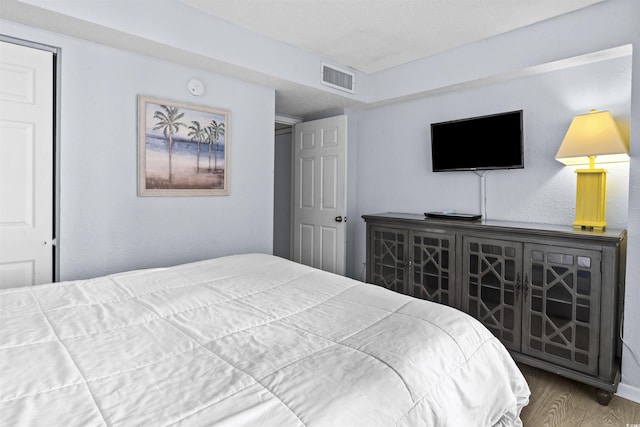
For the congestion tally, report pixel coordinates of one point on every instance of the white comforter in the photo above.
(246, 340)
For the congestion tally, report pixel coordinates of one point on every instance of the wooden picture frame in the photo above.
(183, 149)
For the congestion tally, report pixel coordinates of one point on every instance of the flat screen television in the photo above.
(478, 143)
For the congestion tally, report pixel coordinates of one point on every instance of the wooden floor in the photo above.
(557, 401)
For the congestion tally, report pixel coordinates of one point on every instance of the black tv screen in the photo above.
(478, 143)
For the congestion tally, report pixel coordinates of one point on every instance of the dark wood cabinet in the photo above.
(389, 258)
(552, 295)
(561, 306)
(416, 263)
(491, 281)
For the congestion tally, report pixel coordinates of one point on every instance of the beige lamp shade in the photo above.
(592, 134)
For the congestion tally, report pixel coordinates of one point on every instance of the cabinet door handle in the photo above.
(518, 285)
(526, 287)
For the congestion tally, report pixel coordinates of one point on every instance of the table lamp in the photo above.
(592, 135)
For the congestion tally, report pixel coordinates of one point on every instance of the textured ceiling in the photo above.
(372, 35)
(366, 35)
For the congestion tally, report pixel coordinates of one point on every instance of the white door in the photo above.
(319, 221)
(26, 166)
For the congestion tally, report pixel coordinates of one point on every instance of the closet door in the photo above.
(26, 165)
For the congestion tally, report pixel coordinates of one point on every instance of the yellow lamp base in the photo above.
(590, 199)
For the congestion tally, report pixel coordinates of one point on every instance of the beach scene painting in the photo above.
(183, 149)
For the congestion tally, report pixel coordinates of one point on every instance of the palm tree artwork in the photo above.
(198, 134)
(214, 131)
(175, 131)
(168, 122)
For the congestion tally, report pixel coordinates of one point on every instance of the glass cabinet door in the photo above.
(389, 263)
(561, 306)
(491, 286)
(433, 266)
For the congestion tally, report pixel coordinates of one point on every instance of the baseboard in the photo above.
(628, 392)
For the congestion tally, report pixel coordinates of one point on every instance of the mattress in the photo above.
(249, 340)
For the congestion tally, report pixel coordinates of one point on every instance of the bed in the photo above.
(247, 339)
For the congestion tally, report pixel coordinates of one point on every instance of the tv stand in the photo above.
(551, 294)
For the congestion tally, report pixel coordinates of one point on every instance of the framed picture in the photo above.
(183, 149)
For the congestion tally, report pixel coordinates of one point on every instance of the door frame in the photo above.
(291, 122)
(57, 85)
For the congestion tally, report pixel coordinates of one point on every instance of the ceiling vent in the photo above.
(337, 78)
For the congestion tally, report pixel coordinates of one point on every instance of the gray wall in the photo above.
(104, 226)
(394, 157)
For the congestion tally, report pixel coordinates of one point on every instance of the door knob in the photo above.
(339, 219)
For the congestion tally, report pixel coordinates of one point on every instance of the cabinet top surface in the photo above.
(484, 224)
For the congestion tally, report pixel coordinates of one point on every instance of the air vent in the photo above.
(337, 78)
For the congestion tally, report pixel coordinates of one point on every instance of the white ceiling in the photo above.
(372, 35)
(366, 35)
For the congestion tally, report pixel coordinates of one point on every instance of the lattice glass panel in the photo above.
(562, 313)
(433, 267)
(492, 281)
(388, 258)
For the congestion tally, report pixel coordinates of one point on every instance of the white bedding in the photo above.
(246, 340)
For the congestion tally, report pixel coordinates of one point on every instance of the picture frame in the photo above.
(183, 149)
